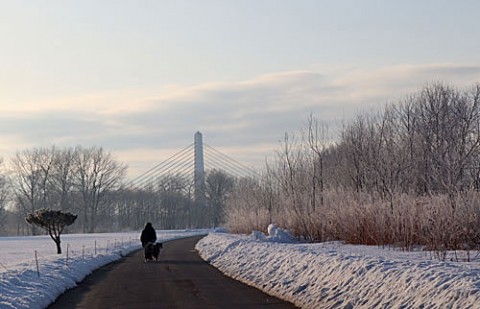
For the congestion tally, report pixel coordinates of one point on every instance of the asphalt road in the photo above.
(180, 279)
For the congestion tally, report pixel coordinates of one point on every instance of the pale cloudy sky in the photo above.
(141, 77)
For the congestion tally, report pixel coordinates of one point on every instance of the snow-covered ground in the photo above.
(327, 275)
(24, 285)
(334, 275)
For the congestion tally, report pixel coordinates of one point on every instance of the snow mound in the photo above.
(275, 234)
(335, 275)
(220, 230)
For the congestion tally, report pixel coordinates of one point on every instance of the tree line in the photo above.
(74, 179)
(169, 202)
(407, 175)
(92, 184)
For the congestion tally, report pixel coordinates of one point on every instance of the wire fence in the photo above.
(71, 254)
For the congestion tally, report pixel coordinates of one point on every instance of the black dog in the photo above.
(152, 250)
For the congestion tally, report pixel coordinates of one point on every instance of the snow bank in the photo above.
(335, 275)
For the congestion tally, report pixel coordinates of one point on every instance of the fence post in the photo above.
(36, 262)
(68, 247)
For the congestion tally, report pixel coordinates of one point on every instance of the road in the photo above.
(180, 279)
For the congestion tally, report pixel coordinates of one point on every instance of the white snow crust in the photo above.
(335, 275)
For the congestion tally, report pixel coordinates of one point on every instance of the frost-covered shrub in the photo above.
(406, 221)
(407, 176)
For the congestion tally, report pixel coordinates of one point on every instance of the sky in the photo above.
(139, 78)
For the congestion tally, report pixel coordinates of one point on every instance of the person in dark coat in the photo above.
(148, 235)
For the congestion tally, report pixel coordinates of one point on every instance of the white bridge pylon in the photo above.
(192, 163)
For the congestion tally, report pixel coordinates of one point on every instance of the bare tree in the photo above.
(32, 174)
(63, 179)
(448, 129)
(4, 196)
(173, 193)
(218, 185)
(317, 139)
(97, 173)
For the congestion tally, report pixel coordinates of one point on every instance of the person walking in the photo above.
(148, 235)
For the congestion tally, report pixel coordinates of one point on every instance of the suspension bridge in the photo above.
(192, 163)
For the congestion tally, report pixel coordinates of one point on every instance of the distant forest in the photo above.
(407, 175)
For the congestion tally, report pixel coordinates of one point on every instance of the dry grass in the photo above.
(359, 218)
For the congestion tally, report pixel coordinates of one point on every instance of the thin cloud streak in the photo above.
(245, 119)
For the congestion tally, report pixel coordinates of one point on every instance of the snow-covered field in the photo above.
(334, 275)
(327, 275)
(24, 285)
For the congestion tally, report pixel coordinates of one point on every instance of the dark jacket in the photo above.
(148, 234)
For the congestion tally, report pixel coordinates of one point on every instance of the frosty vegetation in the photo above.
(406, 176)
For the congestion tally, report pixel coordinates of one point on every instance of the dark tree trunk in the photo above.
(59, 248)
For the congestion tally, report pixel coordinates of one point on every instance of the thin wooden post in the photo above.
(36, 262)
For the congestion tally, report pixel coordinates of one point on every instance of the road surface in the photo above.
(180, 279)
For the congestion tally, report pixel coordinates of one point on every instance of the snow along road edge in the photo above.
(331, 275)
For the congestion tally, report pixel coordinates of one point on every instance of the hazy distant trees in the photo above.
(69, 179)
(406, 175)
(174, 201)
(97, 173)
(90, 182)
(168, 202)
(165, 201)
(218, 186)
(4, 196)
(32, 170)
